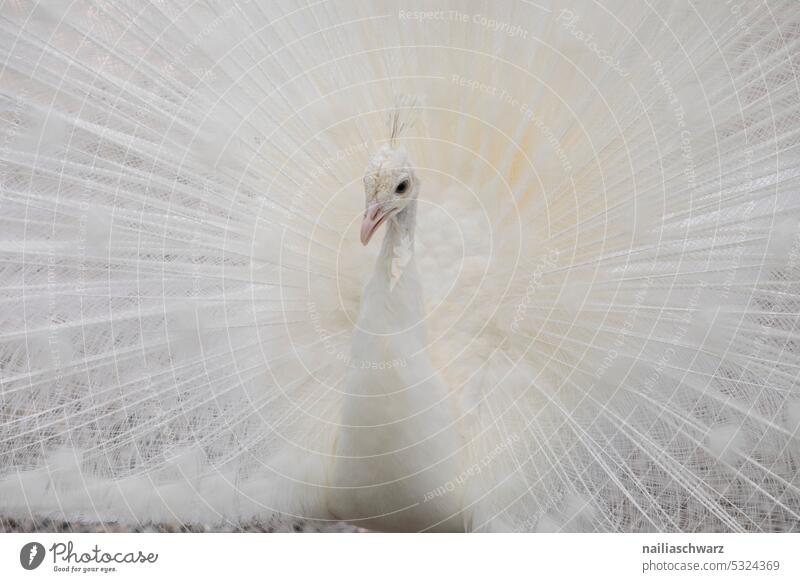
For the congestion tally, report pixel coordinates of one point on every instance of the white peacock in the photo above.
(583, 315)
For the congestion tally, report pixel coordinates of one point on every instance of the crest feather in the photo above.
(403, 116)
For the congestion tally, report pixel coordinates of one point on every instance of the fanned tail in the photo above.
(608, 242)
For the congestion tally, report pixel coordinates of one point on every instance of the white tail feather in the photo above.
(608, 243)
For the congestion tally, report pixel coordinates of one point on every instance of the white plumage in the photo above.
(583, 315)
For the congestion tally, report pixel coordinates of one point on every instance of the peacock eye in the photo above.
(401, 187)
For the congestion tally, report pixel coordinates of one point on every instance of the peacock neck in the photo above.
(393, 298)
(400, 232)
(397, 251)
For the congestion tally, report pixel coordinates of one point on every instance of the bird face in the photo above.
(390, 185)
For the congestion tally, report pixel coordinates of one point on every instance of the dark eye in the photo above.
(401, 187)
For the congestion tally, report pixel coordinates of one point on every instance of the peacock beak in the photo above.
(374, 216)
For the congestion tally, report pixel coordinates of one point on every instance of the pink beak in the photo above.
(373, 218)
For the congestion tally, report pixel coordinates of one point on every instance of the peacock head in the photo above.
(390, 186)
